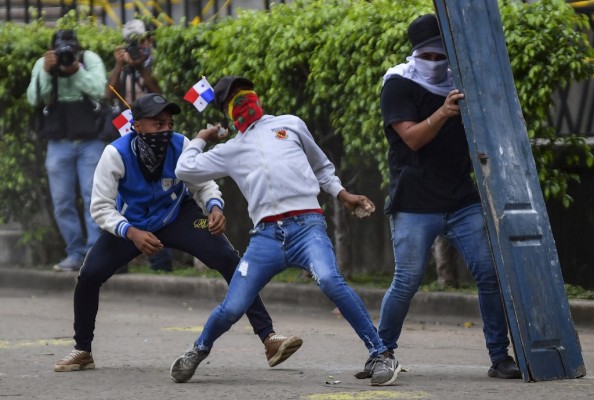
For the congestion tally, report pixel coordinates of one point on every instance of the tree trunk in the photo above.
(342, 239)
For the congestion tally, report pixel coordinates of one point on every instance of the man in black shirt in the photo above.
(431, 190)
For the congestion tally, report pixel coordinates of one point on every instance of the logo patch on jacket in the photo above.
(281, 134)
(166, 183)
(201, 223)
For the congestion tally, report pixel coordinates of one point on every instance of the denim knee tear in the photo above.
(315, 276)
(243, 268)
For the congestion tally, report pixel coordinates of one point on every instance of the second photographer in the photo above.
(131, 75)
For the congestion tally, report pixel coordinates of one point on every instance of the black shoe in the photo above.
(366, 373)
(505, 369)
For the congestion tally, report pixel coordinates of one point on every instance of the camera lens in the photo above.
(133, 50)
(65, 55)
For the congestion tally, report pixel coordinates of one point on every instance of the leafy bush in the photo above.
(320, 59)
(548, 50)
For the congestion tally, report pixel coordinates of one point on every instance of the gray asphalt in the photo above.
(138, 336)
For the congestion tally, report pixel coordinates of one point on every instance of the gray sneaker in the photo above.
(385, 370)
(368, 368)
(184, 366)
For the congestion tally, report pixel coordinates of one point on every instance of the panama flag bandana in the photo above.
(123, 122)
(200, 95)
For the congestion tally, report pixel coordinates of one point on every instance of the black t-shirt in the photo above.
(435, 178)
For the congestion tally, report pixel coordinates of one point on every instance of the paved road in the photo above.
(138, 337)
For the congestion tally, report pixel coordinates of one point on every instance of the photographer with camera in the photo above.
(132, 78)
(66, 86)
(132, 75)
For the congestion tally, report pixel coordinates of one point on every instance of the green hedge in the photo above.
(320, 59)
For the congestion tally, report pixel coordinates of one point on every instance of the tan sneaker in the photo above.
(279, 348)
(75, 361)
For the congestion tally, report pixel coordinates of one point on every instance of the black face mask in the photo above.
(151, 149)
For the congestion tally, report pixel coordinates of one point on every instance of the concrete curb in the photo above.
(442, 304)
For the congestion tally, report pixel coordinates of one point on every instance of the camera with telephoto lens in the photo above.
(65, 45)
(65, 55)
(133, 50)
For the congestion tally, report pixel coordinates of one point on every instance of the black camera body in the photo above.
(65, 46)
(65, 54)
(133, 50)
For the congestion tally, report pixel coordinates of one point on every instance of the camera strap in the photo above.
(81, 57)
(54, 94)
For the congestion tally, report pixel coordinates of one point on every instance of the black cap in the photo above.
(423, 30)
(224, 86)
(150, 105)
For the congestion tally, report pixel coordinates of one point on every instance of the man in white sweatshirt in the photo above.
(279, 169)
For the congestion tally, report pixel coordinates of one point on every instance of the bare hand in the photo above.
(216, 221)
(119, 55)
(210, 134)
(450, 107)
(144, 241)
(49, 60)
(351, 201)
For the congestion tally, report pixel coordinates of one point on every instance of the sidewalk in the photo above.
(437, 304)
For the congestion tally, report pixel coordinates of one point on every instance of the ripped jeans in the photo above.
(300, 241)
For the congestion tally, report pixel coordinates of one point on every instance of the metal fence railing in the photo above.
(571, 113)
(117, 11)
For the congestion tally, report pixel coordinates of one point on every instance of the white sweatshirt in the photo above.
(276, 164)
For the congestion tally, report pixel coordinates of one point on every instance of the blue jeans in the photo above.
(301, 242)
(70, 167)
(412, 236)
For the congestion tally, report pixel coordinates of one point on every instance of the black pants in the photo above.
(110, 252)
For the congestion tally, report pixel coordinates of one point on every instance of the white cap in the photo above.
(133, 29)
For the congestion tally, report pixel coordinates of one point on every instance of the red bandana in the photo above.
(244, 109)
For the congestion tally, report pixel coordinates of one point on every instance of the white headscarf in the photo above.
(424, 72)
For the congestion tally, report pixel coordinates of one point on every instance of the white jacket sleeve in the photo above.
(108, 173)
(206, 194)
(322, 167)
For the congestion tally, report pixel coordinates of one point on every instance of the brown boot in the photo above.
(279, 348)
